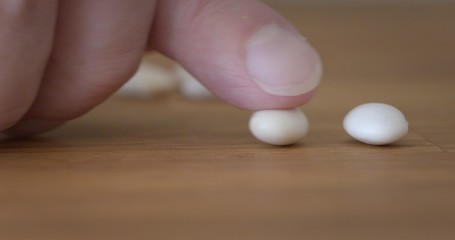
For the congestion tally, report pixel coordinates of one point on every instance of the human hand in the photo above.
(61, 58)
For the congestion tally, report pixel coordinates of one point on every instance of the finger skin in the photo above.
(26, 35)
(209, 39)
(98, 46)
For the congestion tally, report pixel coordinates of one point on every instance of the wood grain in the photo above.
(173, 169)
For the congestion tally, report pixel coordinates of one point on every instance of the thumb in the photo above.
(243, 51)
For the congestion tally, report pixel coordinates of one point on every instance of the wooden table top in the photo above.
(173, 169)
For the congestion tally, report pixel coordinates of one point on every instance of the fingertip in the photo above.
(281, 62)
(262, 63)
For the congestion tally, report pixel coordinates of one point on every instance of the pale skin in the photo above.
(61, 58)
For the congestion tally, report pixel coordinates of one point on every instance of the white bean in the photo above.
(279, 127)
(376, 124)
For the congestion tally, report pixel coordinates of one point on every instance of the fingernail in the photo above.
(28, 128)
(282, 62)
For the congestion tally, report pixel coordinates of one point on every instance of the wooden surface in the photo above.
(172, 169)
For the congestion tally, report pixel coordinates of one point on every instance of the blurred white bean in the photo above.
(150, 81)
